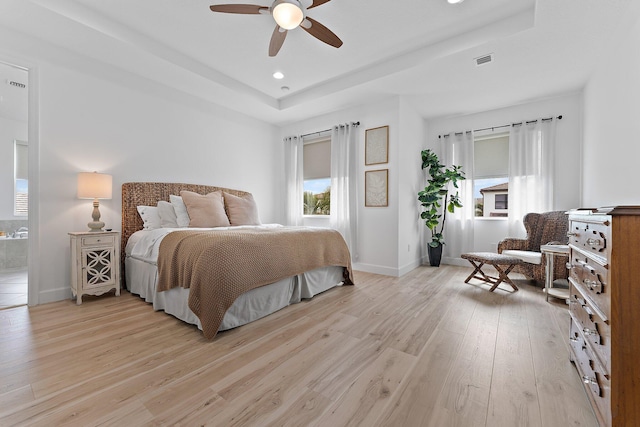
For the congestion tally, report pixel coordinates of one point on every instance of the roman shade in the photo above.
(317, 159)
(491, 157)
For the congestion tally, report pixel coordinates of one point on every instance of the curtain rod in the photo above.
(503, 126)
(326, 130)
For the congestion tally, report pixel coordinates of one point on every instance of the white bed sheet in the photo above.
(145, 244)
(141, 274)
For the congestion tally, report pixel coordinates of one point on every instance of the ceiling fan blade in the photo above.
(248, 9)
(317, 3)
(320, 32)
(277, 38)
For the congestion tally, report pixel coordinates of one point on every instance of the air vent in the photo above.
(484, 59)
(16, 84)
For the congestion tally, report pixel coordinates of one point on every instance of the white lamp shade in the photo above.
(94, 185)
(287, 14)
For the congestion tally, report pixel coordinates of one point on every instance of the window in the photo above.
(502, 201)
(317, 176)
(491, 175)
(21, 191)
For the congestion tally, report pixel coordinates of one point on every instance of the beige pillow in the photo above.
(241, 210)
(205, 211)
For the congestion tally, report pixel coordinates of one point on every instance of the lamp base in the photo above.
(95, 225)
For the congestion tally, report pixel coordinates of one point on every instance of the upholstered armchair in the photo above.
(542, 229)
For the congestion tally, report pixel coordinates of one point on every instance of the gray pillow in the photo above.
(168, 217)
(182, 217)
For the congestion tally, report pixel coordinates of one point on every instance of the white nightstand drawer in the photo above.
(98, 240)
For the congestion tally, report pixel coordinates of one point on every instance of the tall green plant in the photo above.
(436, 195)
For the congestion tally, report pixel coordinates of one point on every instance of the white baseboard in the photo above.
(53, 295)
(387, 271)
(376, 269)
(409, 267)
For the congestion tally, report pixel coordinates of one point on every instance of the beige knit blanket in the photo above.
(218, 266)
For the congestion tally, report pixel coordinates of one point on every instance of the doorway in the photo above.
(14, 185)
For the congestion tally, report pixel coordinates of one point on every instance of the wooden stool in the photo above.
(478, 259)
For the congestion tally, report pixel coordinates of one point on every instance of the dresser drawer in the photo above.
(593, 278)
(593, 237)
(98, 240)
(594, 329)
(591, 372)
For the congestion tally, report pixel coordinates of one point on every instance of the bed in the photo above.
(144, 250)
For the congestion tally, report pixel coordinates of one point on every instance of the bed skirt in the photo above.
(141, 279)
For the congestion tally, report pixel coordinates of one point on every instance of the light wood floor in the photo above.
(425, 349)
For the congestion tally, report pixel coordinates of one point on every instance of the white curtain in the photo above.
(293, 164)
(344, 196)
(458, 233)
(531, 171)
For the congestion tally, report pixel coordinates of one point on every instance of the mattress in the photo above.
(141, 274)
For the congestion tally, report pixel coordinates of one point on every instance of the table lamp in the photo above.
(94, 185)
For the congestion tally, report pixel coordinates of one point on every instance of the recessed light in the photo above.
(285, 88)
(278, 75)
(455, 1)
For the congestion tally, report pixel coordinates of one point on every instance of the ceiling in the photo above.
(421, 49)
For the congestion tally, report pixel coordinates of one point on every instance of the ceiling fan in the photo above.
(288, 14)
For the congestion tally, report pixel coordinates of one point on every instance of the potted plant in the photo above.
(436, 196)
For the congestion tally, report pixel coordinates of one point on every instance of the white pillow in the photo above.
(150, 217)
(182, 217)
(168, 218)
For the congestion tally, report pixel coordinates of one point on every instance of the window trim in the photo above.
(491, 218)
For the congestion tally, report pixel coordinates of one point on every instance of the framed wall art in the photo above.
(376, 188)
(376, 145)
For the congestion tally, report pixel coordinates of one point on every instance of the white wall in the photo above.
(567, 151)
(612, 126)
(411, 250)
(10, 130)
(384, 233)
(378, 226)
(88, 123)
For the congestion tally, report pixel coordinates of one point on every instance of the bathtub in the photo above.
(13, 252)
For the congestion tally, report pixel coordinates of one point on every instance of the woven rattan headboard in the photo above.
(136, 194)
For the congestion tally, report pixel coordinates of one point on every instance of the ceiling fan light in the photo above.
(287, 14)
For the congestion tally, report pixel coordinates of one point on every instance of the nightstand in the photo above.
(95, 263)
(551, 251)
